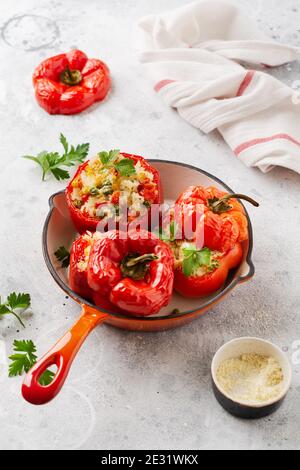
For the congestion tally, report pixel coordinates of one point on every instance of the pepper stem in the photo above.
(141, 259)
(136, 266)
(71, 77)
(220, 205)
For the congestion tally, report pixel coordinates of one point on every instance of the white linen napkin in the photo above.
(195, 55)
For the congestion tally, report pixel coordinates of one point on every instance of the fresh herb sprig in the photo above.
(24, 358)
(15, 305)
(63, 255)
(53, 162)
(124, 167)
(193, 259)
(171, 236)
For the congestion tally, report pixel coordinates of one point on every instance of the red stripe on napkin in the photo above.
(162, 83)
(264, 140)
(246, 82)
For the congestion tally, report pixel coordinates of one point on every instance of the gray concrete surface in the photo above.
(131, 390)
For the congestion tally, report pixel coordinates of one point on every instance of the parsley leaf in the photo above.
(51, 162)
(194, 259)
(46, 377)
(21, 301)
(4, 309)
(63, 255)
(108, 157)
(60, 174)
(188, 266)
(125, 167)
(64, 142)
(173, 230)
(15, 302)
(171, 236)
(23, 362)
(20, 364)
(163, 235)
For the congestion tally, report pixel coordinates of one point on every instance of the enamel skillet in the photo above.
(59, 231)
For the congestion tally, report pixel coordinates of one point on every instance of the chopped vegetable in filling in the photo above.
(111, 178)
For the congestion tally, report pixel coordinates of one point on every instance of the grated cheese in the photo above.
(251, 378)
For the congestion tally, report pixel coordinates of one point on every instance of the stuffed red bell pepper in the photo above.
(69, 83)
(79, 256)
(201, 272)
(202, 263)
(104, 184)
(219, 216)
(132, 272)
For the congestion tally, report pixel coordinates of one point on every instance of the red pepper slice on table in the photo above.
(99, 184)
(132, 272)
(69, 83)
(224, 222)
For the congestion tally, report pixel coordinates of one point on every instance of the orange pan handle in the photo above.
(62, 355)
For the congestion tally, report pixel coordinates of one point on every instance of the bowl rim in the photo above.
(213, 299)
(254, 339)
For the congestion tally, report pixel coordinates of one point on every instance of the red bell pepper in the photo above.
(213, 276)
(78, 279)
(79, 255)
(69, 83)
(152, 193)
(132, 272)
(222, 218)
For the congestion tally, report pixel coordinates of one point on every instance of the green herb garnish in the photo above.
(108, 157)
(124, 167)
(194, 259)
(63, 255)
(24, 358)
(52, 162)
(169, 237)
(14, 305)
(46, 377)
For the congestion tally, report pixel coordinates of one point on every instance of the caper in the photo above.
(107, 189)
(107, 192)
(94, 192)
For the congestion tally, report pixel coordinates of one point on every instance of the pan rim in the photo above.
(212, 300)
